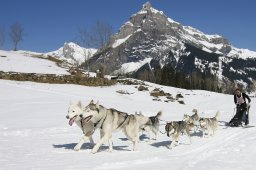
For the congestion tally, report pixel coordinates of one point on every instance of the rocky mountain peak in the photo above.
(147, 6)
(150, 39)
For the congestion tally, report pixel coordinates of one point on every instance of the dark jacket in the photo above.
(245, 96)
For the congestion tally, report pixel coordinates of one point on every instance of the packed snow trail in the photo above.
(34, 133)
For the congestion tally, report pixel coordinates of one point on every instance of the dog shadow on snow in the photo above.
(143, 137)
(168, 142)
(70, 146)
(161, 144)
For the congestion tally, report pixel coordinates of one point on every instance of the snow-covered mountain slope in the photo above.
(72, 53)
(151, 34)
(24, 62)
(34, 133)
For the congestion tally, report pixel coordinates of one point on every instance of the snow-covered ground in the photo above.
(34, 133)
(25, 63)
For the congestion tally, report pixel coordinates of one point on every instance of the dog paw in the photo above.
(94, 151)
(135, 149)
(76, 148)
(110, 150)
(169, 147)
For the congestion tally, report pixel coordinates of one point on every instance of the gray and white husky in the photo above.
(152, 126)
(110, 120)
(73, 115)
(175, 129)
(193, 119)
(209, 124)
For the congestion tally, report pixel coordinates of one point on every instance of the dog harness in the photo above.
(126, 116)
(153, 119)
(96, 124)
(82, 125)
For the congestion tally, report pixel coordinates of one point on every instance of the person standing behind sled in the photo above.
(241, 109)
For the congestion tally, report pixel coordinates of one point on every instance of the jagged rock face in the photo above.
(144, 36)
(150, 34)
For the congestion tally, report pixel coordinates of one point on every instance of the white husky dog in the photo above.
(209, 124)
(110, 120)
(74, 111)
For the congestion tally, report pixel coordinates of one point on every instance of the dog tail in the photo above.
(217, 116)
(159, 114)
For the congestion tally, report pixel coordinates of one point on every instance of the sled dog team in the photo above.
(95, 116)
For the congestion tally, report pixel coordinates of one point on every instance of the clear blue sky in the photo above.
(50, 23)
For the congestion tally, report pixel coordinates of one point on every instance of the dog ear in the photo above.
(79, 104)
(92, 102)
(97, 105)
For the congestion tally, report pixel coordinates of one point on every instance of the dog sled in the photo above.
(241, 116)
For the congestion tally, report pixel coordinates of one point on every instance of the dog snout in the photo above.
(67, 116)
(81, 116)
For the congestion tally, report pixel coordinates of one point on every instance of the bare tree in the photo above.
(252, 87)
(83, 36)
(16, 34)
(101, 33)
(87, 56)
(97, 37)
(2, 37)
(230, 87)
